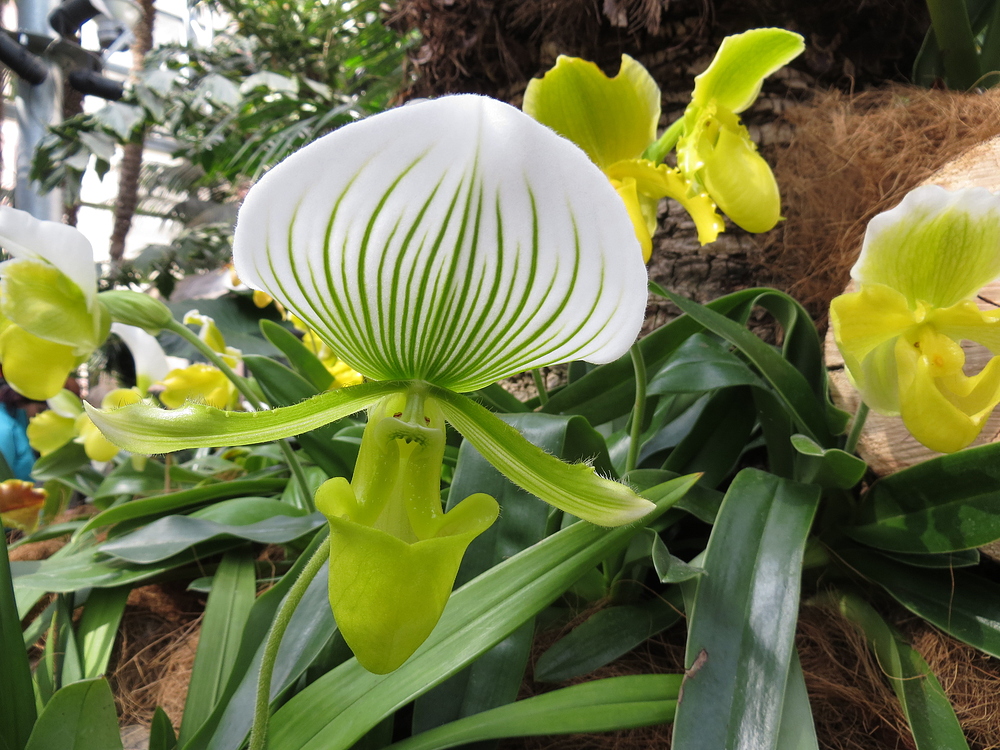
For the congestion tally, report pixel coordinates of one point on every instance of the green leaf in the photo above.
(282, 387)
(669, 568)
(495, 678)
(17, 698)
(942, 505)
(161, 732)
(741, 627)
(267, 521)
(574, 488)
(342, 705)
(302, 360)
(827, 467)
(702, 364)
(718, 437)
(797, 730)
(127, 480)
(98, 628)
(144, 428)
(959, 602)
(309, 632)
(153, 507)
(598, 706)
(790, 385)
(925, 704)
(605, 636)
(81, 716)
(233, 591)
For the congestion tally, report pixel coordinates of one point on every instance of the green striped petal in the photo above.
(146, 428)
(739, 68)
(937, 246)
(455, 241)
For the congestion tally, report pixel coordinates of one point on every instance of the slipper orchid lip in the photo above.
(455, 241)
(920, 267)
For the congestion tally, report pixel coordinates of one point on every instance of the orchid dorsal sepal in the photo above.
(455, 241)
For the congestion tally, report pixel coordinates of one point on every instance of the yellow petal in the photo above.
(630, 197)
(34, 367)
(966, 322)
(95, 445)
(740, 181)
(200, 383)
(609, 118)
(944, 414)
(50, 431)
(661, 181)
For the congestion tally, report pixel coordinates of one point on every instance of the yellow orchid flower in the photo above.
(67, 421)
(614, 121)
(20, 504)
(714, 151)
(50, 317)
(200, 383)
(919, 270)
(343, 374)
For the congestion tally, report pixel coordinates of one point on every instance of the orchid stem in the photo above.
(262, 705)
(543, 393)
(657, 150)
(856, 428)
(639, 409)
(244, 388)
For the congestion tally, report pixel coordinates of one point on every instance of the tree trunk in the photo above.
(131, 163)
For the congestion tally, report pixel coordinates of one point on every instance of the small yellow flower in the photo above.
(200, 383)
(343, 374)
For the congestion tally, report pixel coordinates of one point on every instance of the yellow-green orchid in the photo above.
(20, 504)
(50, 317)
(715, 152)
(343, 374)
(66, 421)
(614, 121)
(919, 270)
(437, 248)
(147, 354)
(200, 382)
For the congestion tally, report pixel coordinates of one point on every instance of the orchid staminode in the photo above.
(921, 265)
(50, 317)
(436, 248)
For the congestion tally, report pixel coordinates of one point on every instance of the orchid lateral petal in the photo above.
(663, 181)
(50, 431)
(146, 428)
(742, 63)
(937, 246)
(455, 241)
(65, 247)
(609, 118)
(966, 322)
(574, 488)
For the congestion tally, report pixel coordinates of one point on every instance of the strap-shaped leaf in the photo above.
(574, 488)
(145, 428)
(455, 241)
